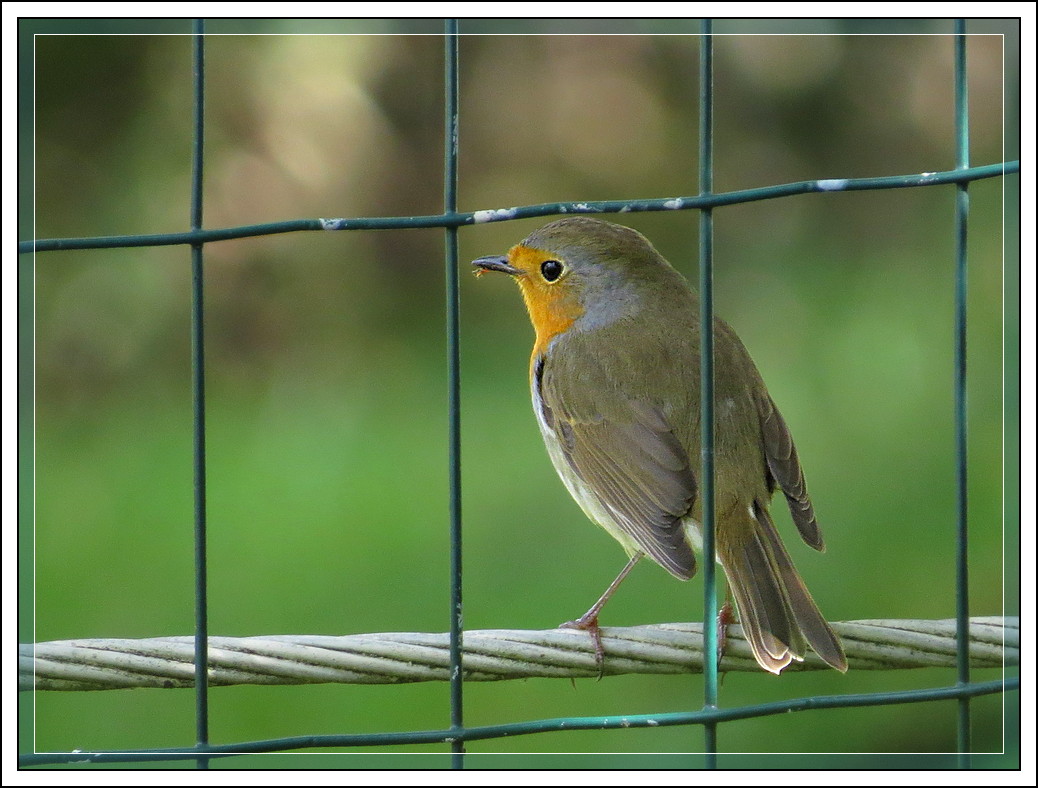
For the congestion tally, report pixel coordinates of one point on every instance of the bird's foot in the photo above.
(589, 623)
(725, 616)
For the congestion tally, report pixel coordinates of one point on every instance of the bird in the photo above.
(614, 379)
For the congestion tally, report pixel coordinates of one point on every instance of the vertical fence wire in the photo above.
(198, 402)
(706, 384)
(450, 207)
(961, 219)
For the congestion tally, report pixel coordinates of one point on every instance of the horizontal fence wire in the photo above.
(489, 655)
(528, 211)
(480, 733)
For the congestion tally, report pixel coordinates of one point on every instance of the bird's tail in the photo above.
(777, 613)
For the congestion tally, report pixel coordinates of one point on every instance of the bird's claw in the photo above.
(590, 625)
(725, 616)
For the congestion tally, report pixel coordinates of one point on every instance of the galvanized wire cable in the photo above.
(489, 655)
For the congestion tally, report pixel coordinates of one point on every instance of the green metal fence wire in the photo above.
(450, 220)
(484, 732)
(962, 612)
(450, 206)
(706, 377)
(198, 402)
(460, 219)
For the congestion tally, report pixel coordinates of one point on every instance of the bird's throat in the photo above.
(552, 311)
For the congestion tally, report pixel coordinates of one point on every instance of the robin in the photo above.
(615, 382)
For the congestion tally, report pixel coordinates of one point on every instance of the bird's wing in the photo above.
(784, 466)
(627, 456)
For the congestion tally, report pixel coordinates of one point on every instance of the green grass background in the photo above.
(327, 363)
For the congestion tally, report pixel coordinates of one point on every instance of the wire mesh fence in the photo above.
(451, 221)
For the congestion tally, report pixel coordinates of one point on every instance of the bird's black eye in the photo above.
(551, 270)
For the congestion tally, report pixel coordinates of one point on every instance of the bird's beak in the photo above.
(495, 263)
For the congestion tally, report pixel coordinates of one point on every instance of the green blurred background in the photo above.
(327, 357)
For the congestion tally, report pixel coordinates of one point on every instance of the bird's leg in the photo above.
(589, 621)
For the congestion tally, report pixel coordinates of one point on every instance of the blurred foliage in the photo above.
(326, 352)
